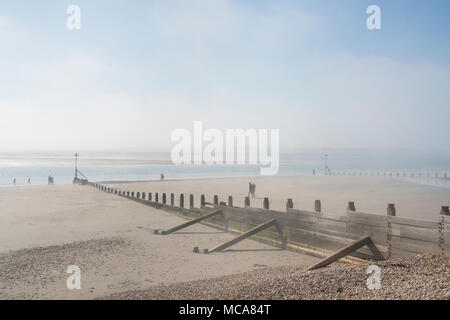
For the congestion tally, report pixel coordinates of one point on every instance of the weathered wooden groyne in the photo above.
(404, 174)
(311, 232)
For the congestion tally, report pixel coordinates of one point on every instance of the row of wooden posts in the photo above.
(392, 174)
(391, 210)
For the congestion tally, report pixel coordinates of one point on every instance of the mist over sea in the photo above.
(149, 166)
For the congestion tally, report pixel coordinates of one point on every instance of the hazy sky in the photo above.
(137, 70)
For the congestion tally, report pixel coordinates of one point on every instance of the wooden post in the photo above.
(391, 210)
(247, 202)
(138, 195)
(289, 204)
(444, 212)
(128, 193)
(317, 206)
(143, 195)
(216, 200)
(172, 199)
(390, 214)
(351, 206)
(164, 198)
(149, 196)
(230, 201)
(191, 201)
(181, 200)
(202, 201)
(266, 203)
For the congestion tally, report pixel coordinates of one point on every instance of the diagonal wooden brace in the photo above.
(247, 234)
(189, 223)
(366, 240)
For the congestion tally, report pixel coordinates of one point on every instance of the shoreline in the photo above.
(412, 180)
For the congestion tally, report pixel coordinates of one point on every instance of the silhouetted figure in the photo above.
(253, 190)
(250, 188)
(14, 181)
(314, 172)
(29, 180)
(162, 176)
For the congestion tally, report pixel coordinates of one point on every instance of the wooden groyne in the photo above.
(314, 232)
(403, 174)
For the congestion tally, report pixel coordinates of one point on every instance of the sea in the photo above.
(142, 166)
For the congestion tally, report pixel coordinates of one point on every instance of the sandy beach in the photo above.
(45, 229)
(370, 194)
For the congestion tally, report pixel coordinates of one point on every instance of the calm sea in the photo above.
(105, 167)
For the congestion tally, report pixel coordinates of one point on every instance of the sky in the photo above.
(138, 70)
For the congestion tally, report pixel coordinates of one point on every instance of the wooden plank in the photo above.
(417, 233)
(367, 219)
(414, 246)
(415, 222)
(377, 233)
(189, 223)
(341, 253)
(243, 236)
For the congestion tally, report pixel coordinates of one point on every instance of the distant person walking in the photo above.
(14, 181)
(162, 176)
(250, 188)
(29, 180)
(253, 190)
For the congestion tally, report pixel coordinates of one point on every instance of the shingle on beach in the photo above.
(416, 277)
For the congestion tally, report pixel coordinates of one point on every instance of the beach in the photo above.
(370, 194)
(45, 229)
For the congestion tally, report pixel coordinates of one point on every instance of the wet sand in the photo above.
(45, 229)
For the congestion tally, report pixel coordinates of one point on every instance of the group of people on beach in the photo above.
(15, 180)
(251, 189)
